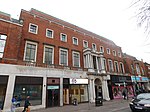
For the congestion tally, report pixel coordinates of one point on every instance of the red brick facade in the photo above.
(18, 34)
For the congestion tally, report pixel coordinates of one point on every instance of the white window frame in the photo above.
(119, 54)
(84, 41)
(60, 56)
(73, 58)
(34, 43)
(93, 44)
(114, 52)
(61, 37)
(123, 67)
(109, 65)
(30, 29)
(117, 65)
(108, 50)
(3, 39)
(104, 60)
(52, 33)
(102, 50)
(138, 69)
(52, 53)
(74, 41)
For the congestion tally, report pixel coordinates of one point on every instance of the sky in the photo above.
(112, 19)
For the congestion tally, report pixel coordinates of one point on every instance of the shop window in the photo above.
(71, 91)
(31, 86)
(82, 91)
(76, 91)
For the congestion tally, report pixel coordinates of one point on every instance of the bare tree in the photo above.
(143, 14)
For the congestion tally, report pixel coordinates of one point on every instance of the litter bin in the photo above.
(98, 101)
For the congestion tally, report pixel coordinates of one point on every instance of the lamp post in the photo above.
(135, 81)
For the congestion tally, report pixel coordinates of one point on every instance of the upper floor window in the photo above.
(75, 40)
(85, 44)
(63, 37)
(30, 51)
(94, 46)
(132, 69)
(116, 66)
(122, 67)
(142, 71)
(33, 28)
(49, 33)
(63, 57)
(138, 69)
(76, 59)
(2, 44)
(102, 49)
(108, 51)
(105, 64)
(119, 54)
(48, 55)
(114, 52)
(110, 64)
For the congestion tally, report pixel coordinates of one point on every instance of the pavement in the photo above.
(108, 106)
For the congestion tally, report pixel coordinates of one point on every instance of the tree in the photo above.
(143, 14)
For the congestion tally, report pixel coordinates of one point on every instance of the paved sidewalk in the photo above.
(108, 106)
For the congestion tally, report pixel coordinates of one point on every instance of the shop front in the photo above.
(118, 83)
(78, 89)
(28, 86)
(140, 84)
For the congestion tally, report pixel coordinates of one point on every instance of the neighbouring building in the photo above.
(54, 62)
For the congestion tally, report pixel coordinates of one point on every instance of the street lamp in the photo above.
(135, 82)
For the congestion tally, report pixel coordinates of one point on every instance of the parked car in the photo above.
(140, 103)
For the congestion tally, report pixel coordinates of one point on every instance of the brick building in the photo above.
(54, 62)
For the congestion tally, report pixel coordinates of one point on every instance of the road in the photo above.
(108, 106)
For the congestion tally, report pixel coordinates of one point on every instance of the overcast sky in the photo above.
(112, 19)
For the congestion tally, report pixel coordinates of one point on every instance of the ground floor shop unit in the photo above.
(140, 84)
(48, 87)
(117, 84)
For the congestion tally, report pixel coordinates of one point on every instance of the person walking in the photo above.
(124, 93)
(26, 105)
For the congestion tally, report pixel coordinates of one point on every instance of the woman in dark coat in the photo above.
(26, 104)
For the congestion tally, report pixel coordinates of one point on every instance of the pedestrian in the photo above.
(13, 105)
(26, 105)
(124, 93)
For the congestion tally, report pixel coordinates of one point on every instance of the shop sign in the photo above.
(135, 78)
(78, 81)
(52, 87)
(145, 79)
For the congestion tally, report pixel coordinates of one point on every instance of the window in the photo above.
(85, 44)
(48, 55)
(116, 66)
(76, 59)
(138, 69)
(2, 44)
(132, 69)
(105, 64)
(49, 33)
(75, 40)
(33, 28)
(63, 57)
(119, 54)
(93, 46)
(30, 51)
(142, 71)
(108, 51)
(110, 65)
(114, 53)
(122, 67)
(102, 49)
(63, 37)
